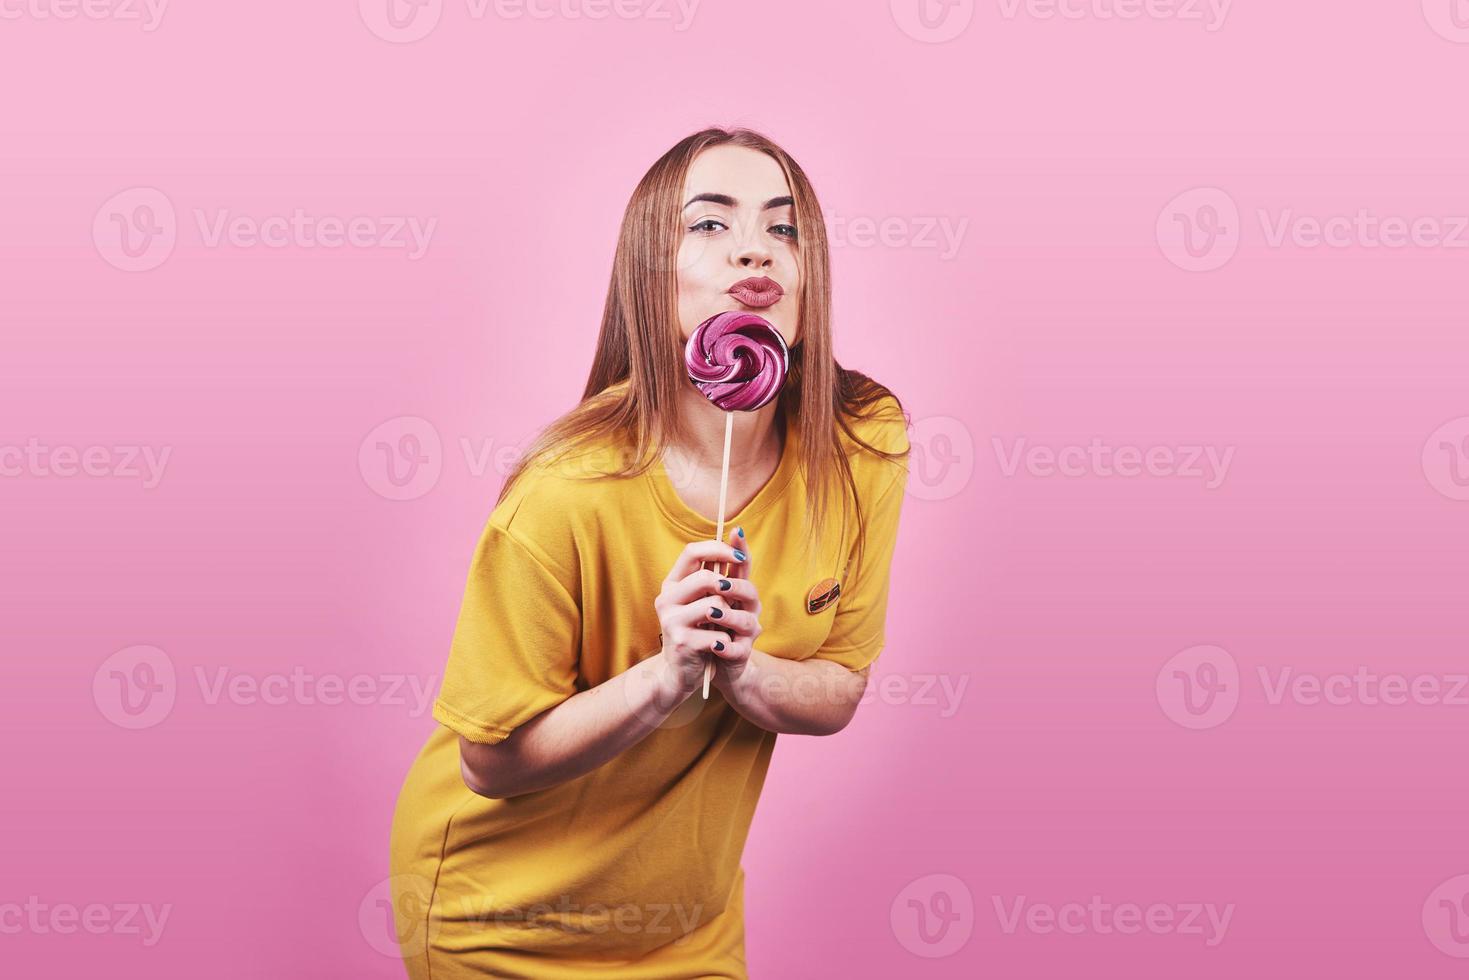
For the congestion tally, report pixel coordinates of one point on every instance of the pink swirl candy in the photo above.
(738, 360)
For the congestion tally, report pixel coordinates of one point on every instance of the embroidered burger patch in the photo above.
(822, 594)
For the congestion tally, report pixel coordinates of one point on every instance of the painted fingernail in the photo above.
(740, 531)
(739, 555)
(717, 613)
(724, 585)
(718, 645)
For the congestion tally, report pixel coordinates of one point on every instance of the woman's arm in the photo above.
(578, 735)
(796, 697)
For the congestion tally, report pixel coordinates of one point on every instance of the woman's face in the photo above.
(738, 225)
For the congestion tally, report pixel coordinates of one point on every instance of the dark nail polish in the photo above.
(740, 531)
(739, 555)
(724, 585)
(717, 613)
(718, 645)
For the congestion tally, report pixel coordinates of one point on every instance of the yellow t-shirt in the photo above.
(633, 869)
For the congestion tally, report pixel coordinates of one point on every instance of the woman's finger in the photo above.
(709, 582)
(736, 646)
(737, 541)
(744, 571)
(702, 551)
(704, 640)
(712, 612)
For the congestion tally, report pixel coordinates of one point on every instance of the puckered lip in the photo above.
(758, 292)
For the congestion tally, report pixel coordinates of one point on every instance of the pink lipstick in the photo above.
(757, 293)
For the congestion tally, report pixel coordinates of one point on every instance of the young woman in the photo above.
(582, 809)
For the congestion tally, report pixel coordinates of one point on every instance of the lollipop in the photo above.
(739, 362)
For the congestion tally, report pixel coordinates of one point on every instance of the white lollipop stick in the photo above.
(719, 534)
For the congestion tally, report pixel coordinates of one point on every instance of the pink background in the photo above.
(1075, 763)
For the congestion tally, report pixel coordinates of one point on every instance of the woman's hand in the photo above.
(734, 659)
(696, 616)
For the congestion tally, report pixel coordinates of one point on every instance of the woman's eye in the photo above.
(709, 226)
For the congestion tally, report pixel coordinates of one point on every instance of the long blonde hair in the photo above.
(640, 342)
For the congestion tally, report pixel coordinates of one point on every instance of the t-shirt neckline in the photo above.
(701, 527)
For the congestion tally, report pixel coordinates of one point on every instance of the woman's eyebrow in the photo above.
(729, 202)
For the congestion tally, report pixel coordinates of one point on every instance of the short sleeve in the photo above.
(858, 630)
(516, 644)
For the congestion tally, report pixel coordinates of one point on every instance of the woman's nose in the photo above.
(752, 253)
(751, 249)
